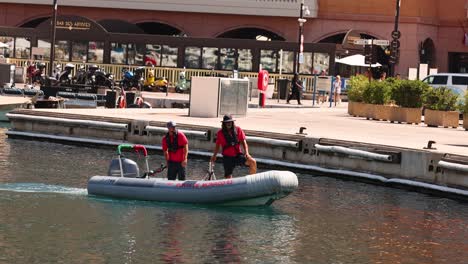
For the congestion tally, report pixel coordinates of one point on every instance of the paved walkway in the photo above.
(320, 121)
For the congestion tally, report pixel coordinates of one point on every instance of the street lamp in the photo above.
(300, 54)
(395, 44)
(52, 36)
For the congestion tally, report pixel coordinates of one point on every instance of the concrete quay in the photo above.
(333, 143)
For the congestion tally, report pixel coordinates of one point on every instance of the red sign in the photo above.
(263, 80)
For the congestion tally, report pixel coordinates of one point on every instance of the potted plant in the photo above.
(377, 94)
(408, 96)
(440, 106)
(356, 106)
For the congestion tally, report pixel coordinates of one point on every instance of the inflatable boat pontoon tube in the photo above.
(252, 190)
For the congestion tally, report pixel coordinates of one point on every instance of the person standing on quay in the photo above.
(296, 89)
(230, 138)
(337, 89)
(175, 148)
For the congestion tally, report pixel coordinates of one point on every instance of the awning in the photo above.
(356, 60)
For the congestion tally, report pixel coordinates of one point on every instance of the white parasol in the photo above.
(356, 60)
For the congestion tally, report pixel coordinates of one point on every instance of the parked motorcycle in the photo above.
(80, 76)
(65, 77)
(132, 79)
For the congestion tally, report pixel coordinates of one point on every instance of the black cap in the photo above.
(227, 118)
(171, 124)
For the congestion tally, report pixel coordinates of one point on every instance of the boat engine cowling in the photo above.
(129, 167)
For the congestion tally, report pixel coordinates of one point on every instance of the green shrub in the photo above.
(357, 85)
(377, 93)
(442, 99)
(408, 93)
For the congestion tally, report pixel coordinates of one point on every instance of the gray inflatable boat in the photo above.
(252, 190)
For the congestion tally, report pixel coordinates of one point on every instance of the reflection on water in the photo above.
(47, 217)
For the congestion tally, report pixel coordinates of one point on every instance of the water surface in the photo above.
(47, 217)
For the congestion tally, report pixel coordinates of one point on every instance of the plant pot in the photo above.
(465, 121)
(434, 118)
(406, 114)
(351, 106)
(359, 109)
(382, 112)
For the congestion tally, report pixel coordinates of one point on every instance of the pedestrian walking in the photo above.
(296, 89)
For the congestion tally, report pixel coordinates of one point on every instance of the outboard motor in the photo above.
(129, 167)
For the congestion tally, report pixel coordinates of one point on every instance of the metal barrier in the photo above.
(171, 74)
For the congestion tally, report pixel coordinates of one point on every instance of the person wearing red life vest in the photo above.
(230, 138)
(175, 148)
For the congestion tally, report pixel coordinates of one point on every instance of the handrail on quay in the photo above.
(163, 130)
(78, 122)
(453, 166)
(274, 142)
(354, 152)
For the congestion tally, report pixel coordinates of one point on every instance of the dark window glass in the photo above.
(268, 60)
(440, 80)
(306, 67)
(192, 57)
(153, 55)
(245, 60)
(227, 58)
(135, 54)
(169, 56)
(287, 61)
(118, 53)
(210, 58)
(7, 52)
(61, 50)
(79, 51)
(459, 80)
(43, 51)
(95, 51)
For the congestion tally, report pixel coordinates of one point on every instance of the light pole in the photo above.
(395, 44)
(300, 54)
(52, 37)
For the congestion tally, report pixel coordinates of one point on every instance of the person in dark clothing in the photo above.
(230, 138)
(296, 89)
(175, 147)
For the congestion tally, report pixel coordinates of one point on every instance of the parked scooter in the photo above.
(161, 84)
(149, 84)
(183, 84)
(132, 79)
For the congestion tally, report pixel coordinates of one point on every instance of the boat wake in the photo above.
(42, 188)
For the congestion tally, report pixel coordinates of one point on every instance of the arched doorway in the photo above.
(427, 52)
(120, 26)
(33, 23)
(156, 28)
(252, 33)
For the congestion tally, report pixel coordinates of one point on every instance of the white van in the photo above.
(457, 82)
